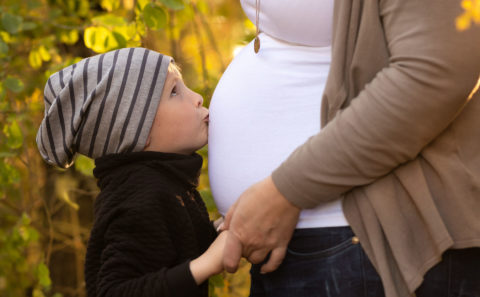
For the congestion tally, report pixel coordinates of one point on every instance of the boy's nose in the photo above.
(198, 100)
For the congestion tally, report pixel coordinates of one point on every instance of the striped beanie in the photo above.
(101, 105)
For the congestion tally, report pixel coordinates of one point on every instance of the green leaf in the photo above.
(24, 234)
(27, 233)
(25, 220)
(122, 42)
(217, 281)
(173, 4)
(11, 23)
(109, 20)
(13, 84)
(8, 174)
(3, 47)
(2, 94)
(7, 155)
(54, 13)
(43, 275)
(32, 4)
(154, 16)
(84, 165)
(29, 26)
(208, 199)
(14, 135)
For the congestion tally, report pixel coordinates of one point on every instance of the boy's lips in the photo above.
(206, 118)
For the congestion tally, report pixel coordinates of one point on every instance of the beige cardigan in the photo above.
(401, 135)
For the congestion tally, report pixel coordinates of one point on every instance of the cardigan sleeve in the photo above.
(432, 70)
(135, 261)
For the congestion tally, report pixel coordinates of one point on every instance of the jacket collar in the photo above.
(181, 168)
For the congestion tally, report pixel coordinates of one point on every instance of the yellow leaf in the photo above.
(5, 36)
(126, 31)
(463, 22)
(476, 12)
(69, 37)
(83, 8)
(85, 165)
(35, 98)
(63, 185)
(142, 3)
(89, 37)
(100, 39)
(109, 5)
(44, 53)
(467, 4)
(128, 4)
(38, 293)
(35, 59)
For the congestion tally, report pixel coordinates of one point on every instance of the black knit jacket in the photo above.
(150, 221)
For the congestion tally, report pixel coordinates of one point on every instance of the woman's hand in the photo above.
(260, 222)
(210, 262)
(219, 225)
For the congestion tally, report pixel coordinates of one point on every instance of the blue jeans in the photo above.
(329, 262)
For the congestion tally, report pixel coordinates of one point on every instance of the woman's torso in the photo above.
(267, 104)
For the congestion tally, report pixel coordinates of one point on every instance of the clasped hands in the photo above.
(262, 221)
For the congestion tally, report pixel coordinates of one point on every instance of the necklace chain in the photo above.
(256, 44)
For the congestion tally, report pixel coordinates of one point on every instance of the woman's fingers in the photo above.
(218, 224)
(276, 258)
(262, 220)
(257, 256)
(228, 216)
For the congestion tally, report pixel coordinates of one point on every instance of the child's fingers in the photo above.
(232, 253)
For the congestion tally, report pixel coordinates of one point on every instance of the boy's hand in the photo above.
(210, 262)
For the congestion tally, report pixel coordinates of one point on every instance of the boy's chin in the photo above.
(194, 149)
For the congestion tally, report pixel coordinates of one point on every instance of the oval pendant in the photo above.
(256, 44)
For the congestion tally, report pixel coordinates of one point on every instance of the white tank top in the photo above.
(267, 104)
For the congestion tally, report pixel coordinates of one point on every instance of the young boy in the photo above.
(130, 110)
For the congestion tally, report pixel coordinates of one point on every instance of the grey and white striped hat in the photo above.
(101, 105)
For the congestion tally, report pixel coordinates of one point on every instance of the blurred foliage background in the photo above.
(46, 213)
(471, 14)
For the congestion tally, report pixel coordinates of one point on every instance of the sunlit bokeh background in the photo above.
(46, 213)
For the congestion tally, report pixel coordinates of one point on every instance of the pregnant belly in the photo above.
(264, 107)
